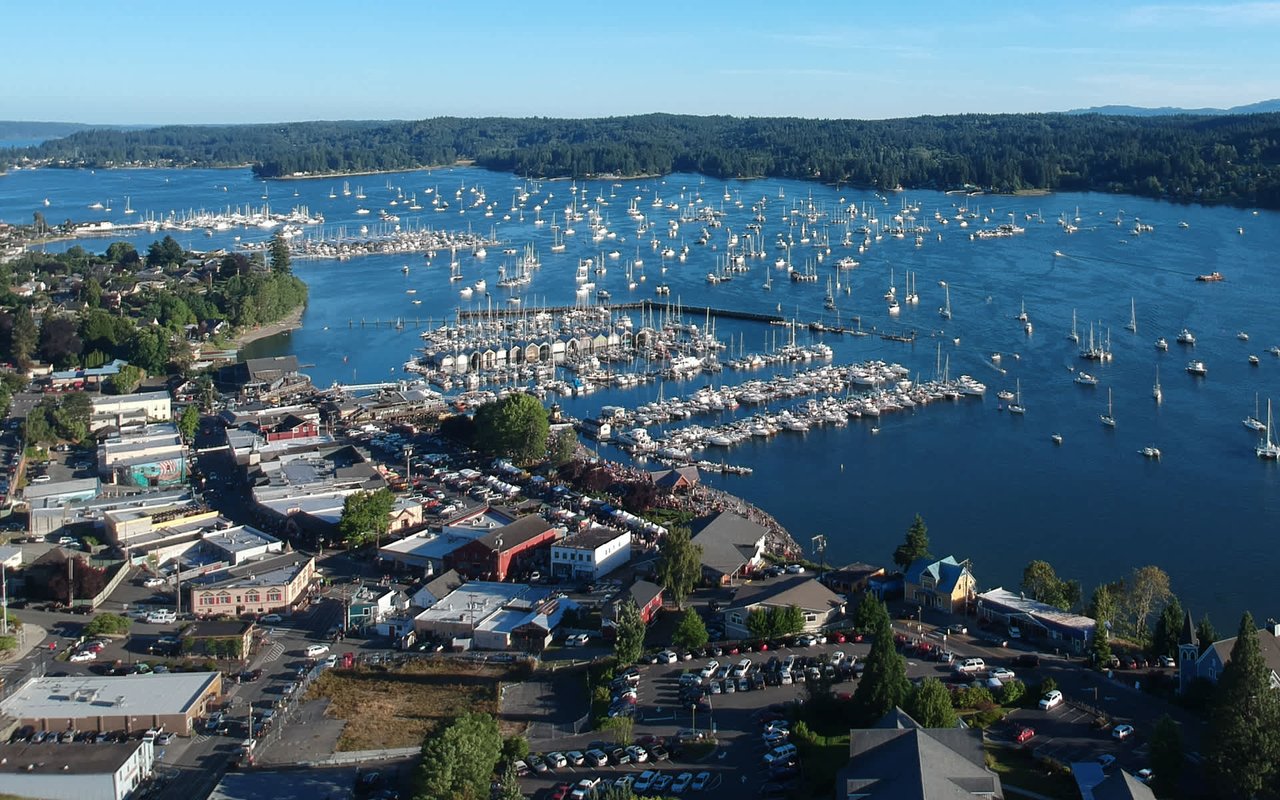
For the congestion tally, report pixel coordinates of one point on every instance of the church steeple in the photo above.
(1188, 653)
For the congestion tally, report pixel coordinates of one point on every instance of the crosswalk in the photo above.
(275, 651)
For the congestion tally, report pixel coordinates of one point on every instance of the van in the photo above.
(780, 754)
(971, 665)
(161, 617)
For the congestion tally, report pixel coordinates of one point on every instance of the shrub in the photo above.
(975, 697)
(1012, 692)
(108, 624)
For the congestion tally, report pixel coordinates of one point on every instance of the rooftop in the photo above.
(592, 538)
(270, 572)
(77, 758)
(1036, 609)
(288, 784)
(517, 533)
(801, 591)
(478, 600)
(78, 696)
(39, 491)
(728, 540)
(107, 404)
(430, 546)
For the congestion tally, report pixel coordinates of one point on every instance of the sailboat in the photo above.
(1074, 335)
(1016, 406)
(912, 297)
(1267, 448)
(1107, 418)
(1133, 317)
(128, 209)
(945, 311)
(1253, 423)
(1155, 390)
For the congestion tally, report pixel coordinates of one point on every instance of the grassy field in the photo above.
(399, 706)
(1018, 768)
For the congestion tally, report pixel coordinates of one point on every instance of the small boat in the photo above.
(1186, 337)
(1059, 254)
(1254, 423)
(1242, 336)
(1022, 315)
(1151, 451)
(405, 269)
(1212, 277)
(1253, 360)
(1016, 406)
(945, 311)
(1108, 419)
(1162, 344)
(1085, 379)
(1133, 317)
(1074, 335)
(1267, 448)
(1156, 392)
(1056, 438)
(1197, 368)
(1005, 395)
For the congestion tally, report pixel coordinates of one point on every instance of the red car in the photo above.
(1022, 734)
(560, 792)
(838, 637)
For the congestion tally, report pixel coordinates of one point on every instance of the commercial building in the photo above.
(130, 409)
(278, 585)
(495, 616)
(590, 555)
(502, 551)
(149, 457)
(732, 545)
(76, 771)
(648, 599)
(1035, 620)
(130, 703)
(944, 584)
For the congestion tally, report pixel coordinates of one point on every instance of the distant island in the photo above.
(1212, 159)
(1261, 107)
(21, 130)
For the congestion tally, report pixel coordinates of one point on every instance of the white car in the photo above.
(316, 650)
(668, 657)
(638, 754)
(1122, 732)
(795, 569)
(709, 669)
(83, 655)
(577, 640)
(1051, 700)
(557, 760)
(271, 619)
(1003, 675)
(152, 583)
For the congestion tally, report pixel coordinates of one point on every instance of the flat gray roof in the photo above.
(74, 758)
(289, 784)
(76, 696)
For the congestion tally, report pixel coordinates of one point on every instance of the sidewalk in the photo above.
(28, 639)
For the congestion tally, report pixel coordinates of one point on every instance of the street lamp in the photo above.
(820, 545)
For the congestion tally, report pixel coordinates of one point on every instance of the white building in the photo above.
(132, 703)
(118, 410)
(76, 771)
(590, 555)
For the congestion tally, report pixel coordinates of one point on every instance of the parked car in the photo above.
(681, 783)
(577, 640)
(1106, 760)
(701, 780)
(668, 657)
(1122, 732)
(1023, 734)
(271, 619)
(316, 650)
(1001, 674)
(1051, 700)
(557, 760)
(1026, 660)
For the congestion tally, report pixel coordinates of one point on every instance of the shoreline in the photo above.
(291, 322)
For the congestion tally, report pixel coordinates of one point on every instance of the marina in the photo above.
(367, 313)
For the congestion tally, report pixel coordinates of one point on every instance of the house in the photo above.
(511, 548)
(1036, 620)
(820, 605)
(647, 597)
(1094, 784)
(590, 555)
(77, 771)
(899, 760)
(371, 604)
(436, 588)
(276, 585)
(258, 377)
(120, 410)
(852, 578)
(946, 584)
(732, 546)
(1193, 665)
(132, 703)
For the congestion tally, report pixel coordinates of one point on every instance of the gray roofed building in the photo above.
(731, 544)
(76, 771)
(128, 702)
(819, 604)
(1210, 664)
(902, 761)
(1120, 785)
(436, 588)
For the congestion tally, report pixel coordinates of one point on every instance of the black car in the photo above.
(1030, 660)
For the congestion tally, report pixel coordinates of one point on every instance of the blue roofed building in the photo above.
(944, 584)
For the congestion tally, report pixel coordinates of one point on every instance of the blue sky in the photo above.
(234, 61)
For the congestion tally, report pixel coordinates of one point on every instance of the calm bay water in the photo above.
(992, 487)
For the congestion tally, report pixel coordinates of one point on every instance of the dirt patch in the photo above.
(399, 706)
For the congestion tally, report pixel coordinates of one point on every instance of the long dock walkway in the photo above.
(645, 305)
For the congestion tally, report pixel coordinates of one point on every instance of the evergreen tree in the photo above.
(23, 339)
(1100, 645)
(279, 253)
(1166, 757)
(930, 705)
(629, 643)
(884, 683)
(1206, 634)
(1167, 630)
(915, 546)
(1244, 727)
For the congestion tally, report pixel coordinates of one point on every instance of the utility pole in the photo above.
(820, 545)
(408, 466)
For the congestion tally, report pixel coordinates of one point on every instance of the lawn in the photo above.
(1018, 768)
(398, 707)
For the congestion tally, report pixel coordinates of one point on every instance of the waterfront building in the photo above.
(646, 595)
(502, 551)
(944, 584)
(590, 555)
(820, 605)
(732, 546)
(1036, 620)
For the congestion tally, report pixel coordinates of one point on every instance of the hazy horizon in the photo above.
(154, 63)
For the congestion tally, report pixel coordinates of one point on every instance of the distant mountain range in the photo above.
(1263, 107)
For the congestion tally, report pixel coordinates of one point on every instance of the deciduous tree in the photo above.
(930, 705)
(1244, 724)
(679, 563)
(514, 427)
(563, 447)
(189, 422)
(691, 631)
(128, 379)
(365, 516)
(1148, 591)
(629, 642)
(458, 762)
(23, 339)
(1041, 582)
(915, 546)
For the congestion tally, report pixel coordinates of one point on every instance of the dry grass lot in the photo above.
(398, 706)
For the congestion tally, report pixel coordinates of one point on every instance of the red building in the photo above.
(291, 427)
(511, 549)
(647, 597)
